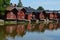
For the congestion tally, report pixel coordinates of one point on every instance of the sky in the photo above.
(46, 4)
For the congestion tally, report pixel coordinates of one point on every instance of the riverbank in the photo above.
(2, 22)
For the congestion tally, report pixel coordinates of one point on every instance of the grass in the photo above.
(21, 22)
(1, 22)
(10, 22)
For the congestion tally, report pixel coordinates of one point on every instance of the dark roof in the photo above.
(14, 11)
(51, 11)
(29, 9)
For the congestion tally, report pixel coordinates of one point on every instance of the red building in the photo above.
(21, 15)
(42, 16)
(28, 13)
(11, 15)
(51, 16)
(55, 16)
(30, 16)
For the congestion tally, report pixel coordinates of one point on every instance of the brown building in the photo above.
(52, 15)
(20, 15)
(28, 13)
(11, 15)
(42, 15)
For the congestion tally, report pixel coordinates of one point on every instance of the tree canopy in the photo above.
(40, 8)
(3, 4)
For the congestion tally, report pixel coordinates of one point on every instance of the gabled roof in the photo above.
(11, 8)
(29, 9)
(51, 11)
(58, 11)
(18, 8)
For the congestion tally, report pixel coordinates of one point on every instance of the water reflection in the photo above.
(11, 31)
(53, 26)
(20, 30)
(56, 26)
(41, 27)
(30, 27)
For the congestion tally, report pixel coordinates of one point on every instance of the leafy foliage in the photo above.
(4, 4)
(40, 8)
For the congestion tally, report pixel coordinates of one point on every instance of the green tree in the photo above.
(4, 4)
(40, 8)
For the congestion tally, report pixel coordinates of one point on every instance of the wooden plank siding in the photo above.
(11, 15)
(20, 15)
(26, 14)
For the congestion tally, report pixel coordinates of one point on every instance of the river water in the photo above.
(30, 31)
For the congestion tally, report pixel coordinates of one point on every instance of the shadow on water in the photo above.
(21, 30)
